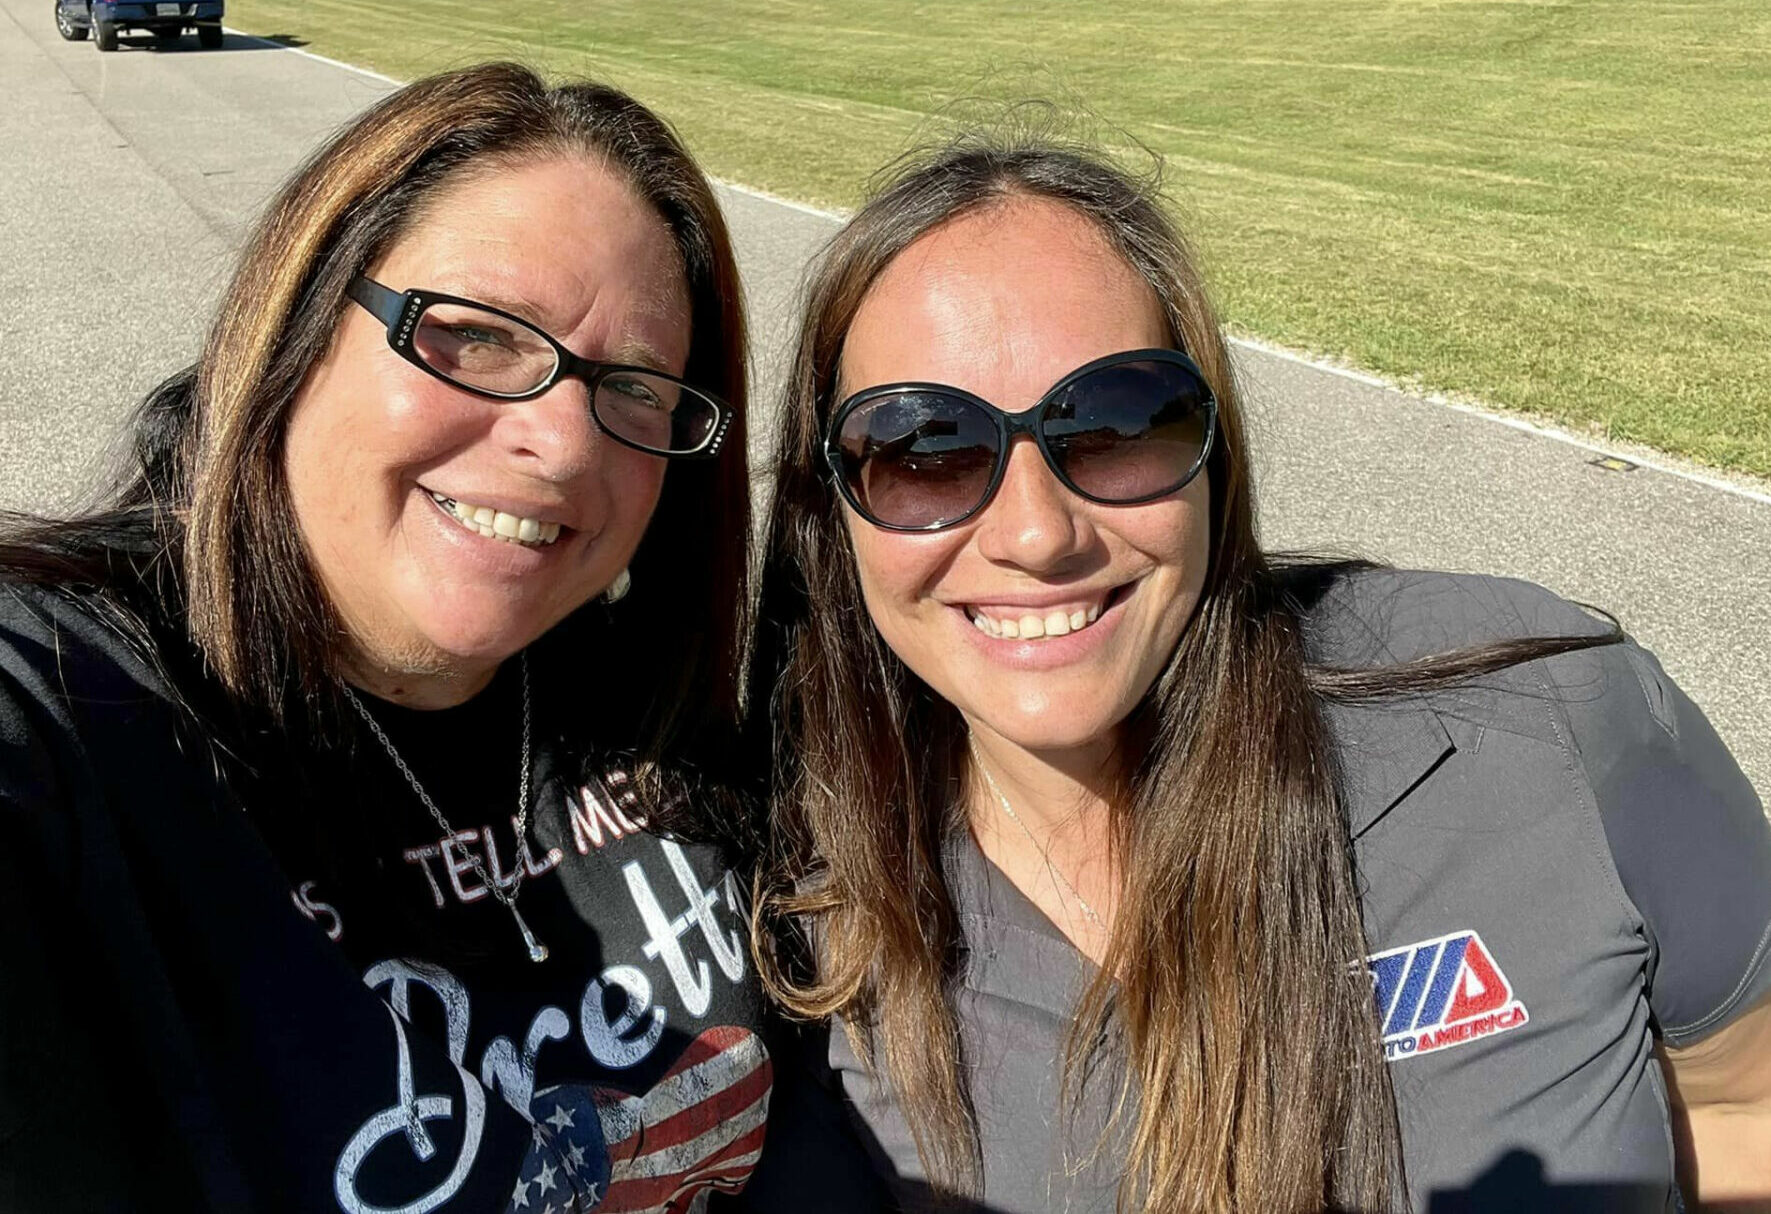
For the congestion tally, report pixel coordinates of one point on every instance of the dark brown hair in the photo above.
(208, 475)
(1254, 1079)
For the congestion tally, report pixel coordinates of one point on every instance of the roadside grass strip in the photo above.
(1557, 208)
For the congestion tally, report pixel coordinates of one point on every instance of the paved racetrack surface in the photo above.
(130, 177)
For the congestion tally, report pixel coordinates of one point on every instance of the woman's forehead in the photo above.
(562, 210)
(563, 243)
(1011, 297)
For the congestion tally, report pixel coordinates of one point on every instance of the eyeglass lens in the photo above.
(492, 353)
(1124, 432)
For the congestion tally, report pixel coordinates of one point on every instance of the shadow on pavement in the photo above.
(188, 43)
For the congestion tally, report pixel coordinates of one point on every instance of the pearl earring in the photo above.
(619, 587)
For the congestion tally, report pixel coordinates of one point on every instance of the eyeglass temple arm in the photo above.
(383, 303)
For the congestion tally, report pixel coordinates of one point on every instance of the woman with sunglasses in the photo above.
(361, 764)
(1142, 870)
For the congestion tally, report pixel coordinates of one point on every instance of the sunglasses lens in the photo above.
(1130, 430)
(918, 459)
(482, 349)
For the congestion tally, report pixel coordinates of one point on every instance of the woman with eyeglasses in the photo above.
(1140, 869)
(363, 763)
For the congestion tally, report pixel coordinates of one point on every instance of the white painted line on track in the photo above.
(735, 187)
(296, 50)
(1633, 456)
(804, 208)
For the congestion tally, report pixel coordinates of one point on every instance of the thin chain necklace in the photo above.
(537, 950)
(1045, 855)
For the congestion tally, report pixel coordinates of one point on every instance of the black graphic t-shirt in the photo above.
(293, 989)
(632, 1048)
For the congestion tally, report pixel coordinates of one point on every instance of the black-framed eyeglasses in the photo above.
(1127, 428)
(489, 352)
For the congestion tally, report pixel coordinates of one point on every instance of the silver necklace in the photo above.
(1045, 855)
(537, 950)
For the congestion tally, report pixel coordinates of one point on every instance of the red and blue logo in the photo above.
(1439, 993)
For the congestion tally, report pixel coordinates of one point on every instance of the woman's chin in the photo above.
(461, 642)
(484, 648)
(478, 623)
(1053, 730)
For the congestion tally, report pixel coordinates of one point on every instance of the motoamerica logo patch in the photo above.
(1439, 993)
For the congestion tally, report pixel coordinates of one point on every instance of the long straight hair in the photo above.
(1232, 982)
(203, 521)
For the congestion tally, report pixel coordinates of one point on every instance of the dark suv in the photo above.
(165, 19)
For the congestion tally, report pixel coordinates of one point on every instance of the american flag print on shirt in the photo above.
(700, 1127)
(567, 1169)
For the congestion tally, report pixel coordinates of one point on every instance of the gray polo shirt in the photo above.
(1558, 863)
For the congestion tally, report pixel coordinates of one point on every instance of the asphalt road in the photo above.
(132, 176)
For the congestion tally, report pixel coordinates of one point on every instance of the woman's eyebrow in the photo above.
(517, 305)
(636, 353)
(633, 351)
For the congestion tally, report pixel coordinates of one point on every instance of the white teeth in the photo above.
(497, 525)
(1052, 624)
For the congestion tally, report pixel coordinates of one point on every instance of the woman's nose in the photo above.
(554, 433)
(1033, 521)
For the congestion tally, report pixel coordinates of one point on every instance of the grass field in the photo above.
(1562, 208)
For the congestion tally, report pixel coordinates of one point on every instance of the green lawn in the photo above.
(1556, 207)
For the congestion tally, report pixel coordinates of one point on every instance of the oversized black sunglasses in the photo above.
(491, 353)
(1127, 428)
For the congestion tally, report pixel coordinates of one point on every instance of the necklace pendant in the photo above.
(537, 950)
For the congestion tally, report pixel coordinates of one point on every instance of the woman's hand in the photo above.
(1721, 1091)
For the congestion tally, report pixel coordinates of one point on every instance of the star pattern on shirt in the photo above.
(567, 1167)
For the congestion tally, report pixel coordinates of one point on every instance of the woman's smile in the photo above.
(1045, 631)
(490, 522)
(458, 547)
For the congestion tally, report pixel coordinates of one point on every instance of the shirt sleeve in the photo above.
(1690, 842)
(47, 1122)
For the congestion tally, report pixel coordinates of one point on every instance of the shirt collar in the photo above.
(1384, 751)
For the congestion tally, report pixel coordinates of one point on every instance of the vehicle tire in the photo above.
(209, 37)
(105, 34)
(67, 29)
